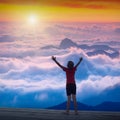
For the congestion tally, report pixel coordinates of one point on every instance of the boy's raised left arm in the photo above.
(79, 62)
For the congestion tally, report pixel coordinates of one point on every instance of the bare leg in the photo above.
(68, 104)
(75, 103)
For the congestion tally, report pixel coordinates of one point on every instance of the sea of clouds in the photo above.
(29, 77)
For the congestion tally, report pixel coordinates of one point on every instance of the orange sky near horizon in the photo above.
(61, 11)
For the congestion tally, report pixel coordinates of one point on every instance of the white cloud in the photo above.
(25, 86)
(95, 85)
(41, 97)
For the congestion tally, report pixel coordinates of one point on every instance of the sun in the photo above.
(32, 20)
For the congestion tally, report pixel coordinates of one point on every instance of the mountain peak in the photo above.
(66, 43)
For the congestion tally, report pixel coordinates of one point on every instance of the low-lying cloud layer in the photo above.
(27, 71)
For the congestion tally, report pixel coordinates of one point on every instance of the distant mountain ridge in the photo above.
(105, 106)
(95, 49)
(67, 43)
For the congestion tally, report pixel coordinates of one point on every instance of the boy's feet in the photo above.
(66, 112)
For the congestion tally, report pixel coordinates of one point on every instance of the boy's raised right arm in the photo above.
(54, 59)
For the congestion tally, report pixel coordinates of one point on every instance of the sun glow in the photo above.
(32, 19)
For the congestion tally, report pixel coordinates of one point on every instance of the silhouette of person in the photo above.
(70, 82)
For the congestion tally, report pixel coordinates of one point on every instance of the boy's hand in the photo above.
(81, 59)
(53, 58)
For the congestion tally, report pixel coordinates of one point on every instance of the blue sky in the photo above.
(29, 78)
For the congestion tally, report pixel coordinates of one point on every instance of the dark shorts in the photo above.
(71, 89)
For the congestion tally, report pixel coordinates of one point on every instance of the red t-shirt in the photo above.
(70, 74)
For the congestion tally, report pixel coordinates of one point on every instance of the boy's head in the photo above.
(70, 64)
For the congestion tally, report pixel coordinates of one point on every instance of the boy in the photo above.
(70, 82)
